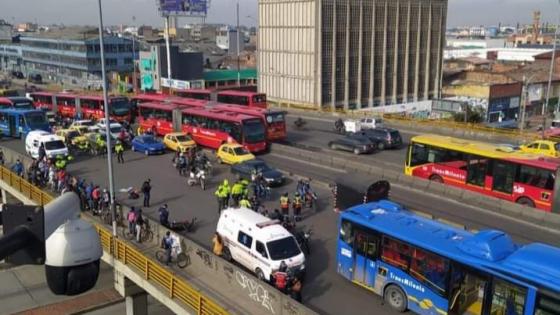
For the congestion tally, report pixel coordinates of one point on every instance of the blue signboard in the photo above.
(183, 7)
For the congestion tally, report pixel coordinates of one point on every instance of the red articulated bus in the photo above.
(198, 94)
(213, 127)
(208, 127)
(66, 104)
(92, 107)
(274, 120)
(42, 100)
(244, 98)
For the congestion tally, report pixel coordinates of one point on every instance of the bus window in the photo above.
(503, 175)
(507, 298)
(146, 113)
(396, 253)
(430, 269)
(536, 177)
(547, 305)
(187, 119)
(253, 130)
(366, 244)
(259, 98)
(346, 233)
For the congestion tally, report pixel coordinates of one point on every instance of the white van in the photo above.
(258, 243)
(54, 145)
(371, 123)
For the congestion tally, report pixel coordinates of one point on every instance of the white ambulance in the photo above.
(258, 243)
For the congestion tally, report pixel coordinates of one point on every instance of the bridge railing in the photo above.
(175, 286)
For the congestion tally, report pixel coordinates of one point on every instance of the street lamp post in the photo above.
(238, 61)
(133, 58)
(107, 124)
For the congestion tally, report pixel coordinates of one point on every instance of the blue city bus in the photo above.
(18, 122)
(430, 267)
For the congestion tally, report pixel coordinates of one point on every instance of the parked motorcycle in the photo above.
(182, 226)
(197, 177)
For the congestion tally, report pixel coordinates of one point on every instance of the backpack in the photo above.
(281, 279)
(131, 216)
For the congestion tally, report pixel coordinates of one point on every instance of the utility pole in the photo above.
(551, 71)
(107, 124)
(238, 61)
(133, 58)
(168, 51)
(522, 109)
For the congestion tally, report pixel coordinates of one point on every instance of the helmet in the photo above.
(297, 194)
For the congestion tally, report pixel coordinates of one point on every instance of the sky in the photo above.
(73, 12)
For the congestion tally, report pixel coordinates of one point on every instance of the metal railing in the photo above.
(175, 286)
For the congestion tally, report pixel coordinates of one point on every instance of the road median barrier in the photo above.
(484, 203)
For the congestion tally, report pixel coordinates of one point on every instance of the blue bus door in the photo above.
(365, 258)
(12, 125)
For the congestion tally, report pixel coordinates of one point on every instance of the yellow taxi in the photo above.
(542, 147)
(71, 135)
(82, 130)
(233, 153)
(178, 141)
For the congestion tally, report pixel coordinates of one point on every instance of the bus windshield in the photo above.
(259, 98)
(283, 248)
(23, 104)
(275, 118)
(253, 131)
(36, 120)
(120, 106)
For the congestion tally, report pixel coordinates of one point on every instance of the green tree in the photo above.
(475, 114)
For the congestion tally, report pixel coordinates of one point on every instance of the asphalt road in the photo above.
(324, 291)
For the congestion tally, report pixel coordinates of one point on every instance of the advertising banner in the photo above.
(183, 7)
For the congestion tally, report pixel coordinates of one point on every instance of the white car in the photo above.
(371, 123)
(85, 122)
(114, 129)
(258, 243)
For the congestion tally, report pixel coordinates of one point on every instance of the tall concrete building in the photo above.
(350, 53)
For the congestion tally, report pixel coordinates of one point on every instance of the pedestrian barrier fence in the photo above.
(175, 286)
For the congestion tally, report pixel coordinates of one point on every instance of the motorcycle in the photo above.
(300, 123)
(182, 226)
(197, 178)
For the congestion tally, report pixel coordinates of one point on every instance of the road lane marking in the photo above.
(308, 163)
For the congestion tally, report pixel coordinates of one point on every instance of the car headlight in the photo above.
(268, 180)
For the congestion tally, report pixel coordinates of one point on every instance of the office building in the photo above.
(350, 53)
(226, 39)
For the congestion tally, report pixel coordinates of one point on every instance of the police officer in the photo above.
(119, 149)
(296, 207)
(285, 205)
(237, 192)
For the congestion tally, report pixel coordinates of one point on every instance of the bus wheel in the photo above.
(396, 298)
(526, 202)
(436, 178)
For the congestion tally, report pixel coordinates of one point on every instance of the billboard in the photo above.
(183, 7)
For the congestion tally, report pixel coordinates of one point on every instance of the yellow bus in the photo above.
(495, 170)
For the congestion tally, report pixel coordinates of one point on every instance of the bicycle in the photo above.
(146, 234)
(181, 259)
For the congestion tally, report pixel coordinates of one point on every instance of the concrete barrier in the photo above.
(531, 215)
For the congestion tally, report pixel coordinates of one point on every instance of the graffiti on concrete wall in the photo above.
(257, 292)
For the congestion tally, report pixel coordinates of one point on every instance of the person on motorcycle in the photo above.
(100, 143)
(339, 125)
(296, 206)
(182, 164)
(164, 215)
(281, 277)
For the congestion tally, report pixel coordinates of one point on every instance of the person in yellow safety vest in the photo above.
(100, 143)
(285, 205)
(119, 150)
(245, 203)
(60, 162)
(236, 193)
(222, 193)
(296, 206)
(245, 184)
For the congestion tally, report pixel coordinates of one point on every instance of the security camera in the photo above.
(73, 254)
(54, 235)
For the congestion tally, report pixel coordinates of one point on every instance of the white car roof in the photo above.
(264, 228)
